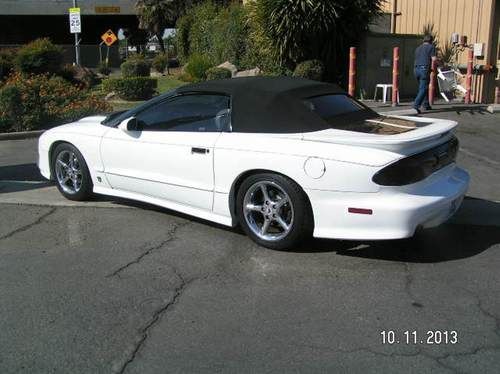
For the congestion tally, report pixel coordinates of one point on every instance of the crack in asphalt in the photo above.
(408, 284)
(29, 225)
(149, 250)
(157, 314)
(484, 312)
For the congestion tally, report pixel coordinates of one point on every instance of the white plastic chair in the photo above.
(385, 91)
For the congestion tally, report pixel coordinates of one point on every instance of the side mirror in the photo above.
(130, 124)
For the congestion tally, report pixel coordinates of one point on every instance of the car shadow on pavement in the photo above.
(22, 177)
(21, 172)
(474, 229)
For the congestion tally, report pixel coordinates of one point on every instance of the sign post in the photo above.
(75, 27)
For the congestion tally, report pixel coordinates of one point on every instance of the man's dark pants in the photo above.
(423, 78)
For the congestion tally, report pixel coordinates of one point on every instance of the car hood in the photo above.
(90, 126)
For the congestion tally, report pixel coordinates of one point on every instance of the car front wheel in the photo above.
(274, 211)
(71, 173)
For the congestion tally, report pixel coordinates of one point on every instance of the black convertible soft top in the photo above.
(269, 104)
(265, 104)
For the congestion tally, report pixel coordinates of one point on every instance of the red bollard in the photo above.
(468, 78)
(395, 76)
(432, 83)
(352, 71)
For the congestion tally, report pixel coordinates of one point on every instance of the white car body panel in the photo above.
(160, 168)
(161, 165)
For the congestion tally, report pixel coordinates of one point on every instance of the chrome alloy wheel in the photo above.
(268, 211)
(68, 172)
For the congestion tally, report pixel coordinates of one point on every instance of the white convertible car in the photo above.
(285, 158)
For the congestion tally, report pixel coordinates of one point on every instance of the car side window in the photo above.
(193, 113)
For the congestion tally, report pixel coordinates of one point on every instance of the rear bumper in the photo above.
(397, 212)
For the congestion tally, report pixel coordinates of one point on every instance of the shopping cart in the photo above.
(448, 83)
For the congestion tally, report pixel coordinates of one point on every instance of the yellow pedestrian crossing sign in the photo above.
(109, 38)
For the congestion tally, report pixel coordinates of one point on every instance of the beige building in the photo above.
(476, 19)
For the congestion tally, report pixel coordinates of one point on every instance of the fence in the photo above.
(89, 53)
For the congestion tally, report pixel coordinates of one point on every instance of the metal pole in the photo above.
(168, 46)
(393, 16)
(432, 83)
(468, 79)
(395, 76)
(352, 71)
(77, 42)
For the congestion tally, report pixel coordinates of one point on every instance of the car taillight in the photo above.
(419, 166)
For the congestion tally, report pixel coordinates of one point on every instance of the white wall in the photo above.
(58, 7)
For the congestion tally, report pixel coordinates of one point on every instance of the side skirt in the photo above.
(195, 212)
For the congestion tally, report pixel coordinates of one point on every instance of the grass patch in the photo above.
(167, 83)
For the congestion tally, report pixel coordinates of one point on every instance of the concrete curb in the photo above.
(494, 108)
(20, 135)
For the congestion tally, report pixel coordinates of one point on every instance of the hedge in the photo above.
(133, 88)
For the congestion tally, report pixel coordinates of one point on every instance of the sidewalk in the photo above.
(406, 107)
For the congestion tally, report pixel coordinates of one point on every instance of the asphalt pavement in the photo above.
(117, 286)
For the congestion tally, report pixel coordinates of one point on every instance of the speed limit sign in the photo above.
(75, 22)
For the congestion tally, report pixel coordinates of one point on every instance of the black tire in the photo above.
(85, 190)
(302, 224)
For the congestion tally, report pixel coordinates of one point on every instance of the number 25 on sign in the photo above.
(75, 23)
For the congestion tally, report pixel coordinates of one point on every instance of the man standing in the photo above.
(424, 55)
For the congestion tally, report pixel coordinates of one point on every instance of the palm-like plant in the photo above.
(299, 30)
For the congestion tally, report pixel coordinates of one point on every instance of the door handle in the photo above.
(200, 150)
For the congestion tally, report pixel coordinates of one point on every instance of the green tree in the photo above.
(156, 15)
(299, 30)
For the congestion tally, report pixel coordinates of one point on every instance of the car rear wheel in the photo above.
(71, 173)
(274, 211)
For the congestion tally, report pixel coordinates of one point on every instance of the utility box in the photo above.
(478, 49)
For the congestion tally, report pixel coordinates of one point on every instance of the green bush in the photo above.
(311, 69)
(202, 29)
(197, 67)
(133, 88)
(230, 35)
(160, 62)
(220, 33)
(39, 57)
(135, 66)
(39, 101)
(182, 37)
(6, 62)
(103, 68)
(10, 108)
(218, 73)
